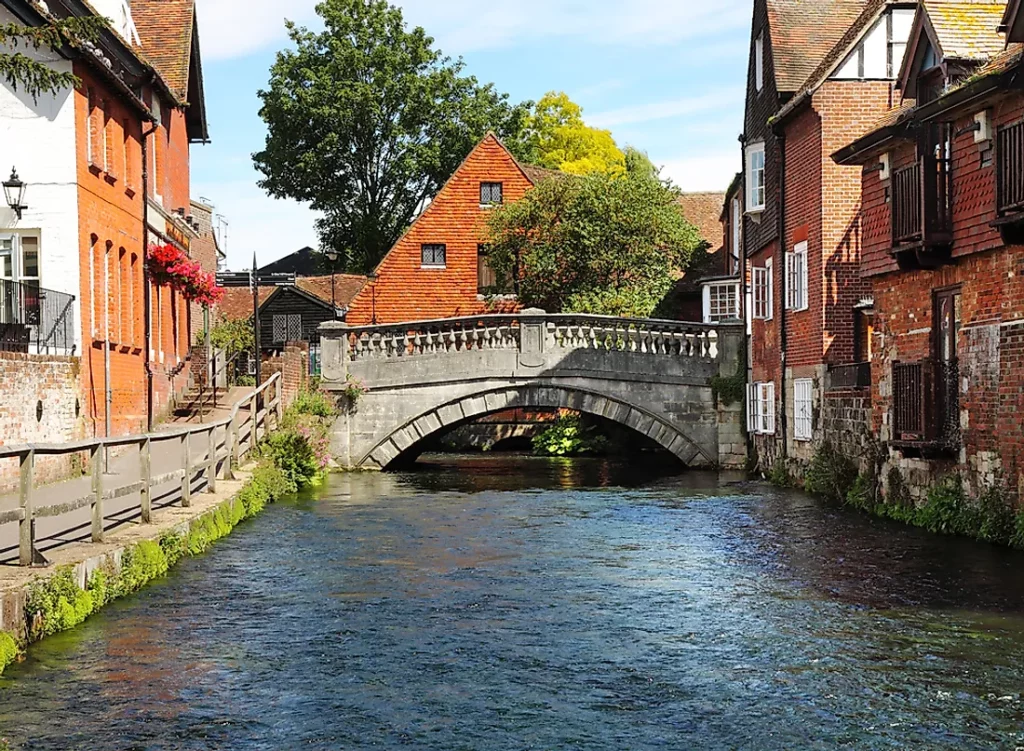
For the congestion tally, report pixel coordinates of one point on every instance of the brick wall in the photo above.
(405, 291)
(293, 365)
(28, 381)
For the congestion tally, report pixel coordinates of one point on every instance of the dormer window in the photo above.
(879, 54)
(490, 194)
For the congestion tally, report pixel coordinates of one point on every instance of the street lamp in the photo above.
(373, 276)
(14, 193)
(332, 256)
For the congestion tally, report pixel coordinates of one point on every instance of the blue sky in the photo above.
(666, 76)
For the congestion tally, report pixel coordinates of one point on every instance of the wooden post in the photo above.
(236, 442)
(253, 409)
(186, 480)
(226, 473)
(211, 464)
(26, 527)
(146, 475)
(96, 461)
(279, 395)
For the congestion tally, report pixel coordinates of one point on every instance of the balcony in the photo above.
(922, 204)
(34, 320)
(1010, 183)
(847, 377)
(926, 406)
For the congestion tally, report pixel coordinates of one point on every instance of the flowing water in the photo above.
(500, 603)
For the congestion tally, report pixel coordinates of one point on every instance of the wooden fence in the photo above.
(227, 443)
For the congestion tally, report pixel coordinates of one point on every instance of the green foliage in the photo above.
(56, 604)
(366, 119)
(295, 455)
(569, 436)
(8, 653)
(36, 77)
(174, 547)
(998, 523)
(141, 564)
(231, 336)
(779, 474)
(728, 390)
(556, 137)
(861, 494)
(594, 244)
(830, 474)
(315, 403)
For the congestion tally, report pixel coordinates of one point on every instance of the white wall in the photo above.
(38, 138)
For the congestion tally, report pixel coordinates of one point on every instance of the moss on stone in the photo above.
(8, 652)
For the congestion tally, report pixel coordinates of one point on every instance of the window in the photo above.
(107, 145)
(755, 178)
(94, 123)
(721, 302)
(736, 235)
(763, 298)
(490, 194)
(132, 319)
(129, 178)
(93, 288)
(759, 62)
(803, 409)
(761, 408)
(486, 279)
(107, 312)
(796, 278)
(287, 328)
(879, 54)
(434, 256)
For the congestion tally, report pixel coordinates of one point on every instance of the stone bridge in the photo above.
(428, 377)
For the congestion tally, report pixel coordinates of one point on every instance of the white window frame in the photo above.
(803, 409)
(761, 278)
(737, 234)
(756, 195)
(432, 265)
(761, 408)
(759, 62)
(708, 317)
(796, 278)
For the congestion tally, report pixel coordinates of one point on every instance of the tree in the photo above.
(35, 76)
(556, 137)
(366, 120)
(599, 243)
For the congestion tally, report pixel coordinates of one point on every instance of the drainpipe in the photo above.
(146, 295)
(781, 140)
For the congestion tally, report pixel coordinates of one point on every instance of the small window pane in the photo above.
(30, 257)
(490, 193)
(434, 255)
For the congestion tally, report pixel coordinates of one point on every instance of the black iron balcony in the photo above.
(926, 405)
(36, 320)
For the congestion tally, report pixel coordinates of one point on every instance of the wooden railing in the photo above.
(227, 443)
(1010, 155)
(925, 403)
(906, 204)
(561, 331)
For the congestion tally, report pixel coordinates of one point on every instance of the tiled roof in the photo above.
(967, 30)
(346, 287)
(704, 211)
(236, 305)
(536, 174)
(165, 28)
(803, 32)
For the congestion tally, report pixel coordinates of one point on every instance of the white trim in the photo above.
(797, 297)
(803, 409)
(706, 297)
(755, 197)
(759, 62)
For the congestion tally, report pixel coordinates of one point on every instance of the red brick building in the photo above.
(820, 74)
(439, 268)
(943, 227)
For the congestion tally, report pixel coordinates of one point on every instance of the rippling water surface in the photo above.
(498, 603)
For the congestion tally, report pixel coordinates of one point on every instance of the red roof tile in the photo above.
(346, 287)
(803, 32)
(704, 211)
(236, 305)
(165, 28)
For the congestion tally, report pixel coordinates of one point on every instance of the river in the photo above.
(503, 603)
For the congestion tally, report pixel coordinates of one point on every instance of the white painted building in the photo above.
(37, 138)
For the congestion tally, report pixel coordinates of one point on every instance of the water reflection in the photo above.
(491, 602)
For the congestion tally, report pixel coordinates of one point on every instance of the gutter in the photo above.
(781, 141)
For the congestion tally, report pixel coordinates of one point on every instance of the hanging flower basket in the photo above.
(169, 266)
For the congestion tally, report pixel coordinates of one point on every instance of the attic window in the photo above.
(759, 62)
(433, 256)
(490, 194)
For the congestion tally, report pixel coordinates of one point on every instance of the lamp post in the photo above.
(373, 276)
(332, 256)
(14, 193)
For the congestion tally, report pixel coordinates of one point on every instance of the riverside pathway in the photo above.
(124, 467)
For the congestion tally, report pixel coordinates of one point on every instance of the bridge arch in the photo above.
(436, 420)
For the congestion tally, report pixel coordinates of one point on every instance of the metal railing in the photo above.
(228, 441)
(34, 319)
(926, 403)
(853, 376)
(1010, 180)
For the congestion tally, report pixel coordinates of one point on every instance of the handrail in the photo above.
(496, 318)
(220, 455)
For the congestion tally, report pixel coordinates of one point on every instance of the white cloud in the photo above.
(710, 172)
(643, 113)
(234, 28)
(258, 223)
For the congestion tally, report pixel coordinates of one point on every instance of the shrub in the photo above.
(315, 403)
(862, 493)
(8, 654)
(57, 604)
(294, 453)
(779, 474)
(946, 509)
(998, 522)
(568, 436)
(141, 564)
(830, 474)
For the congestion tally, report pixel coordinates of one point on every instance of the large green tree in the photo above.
(27, 71)
(599, 243)
(557, 137)
(366, 121)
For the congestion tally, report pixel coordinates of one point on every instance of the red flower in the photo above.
(169, 266)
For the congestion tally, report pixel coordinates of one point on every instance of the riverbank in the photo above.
(84, 577)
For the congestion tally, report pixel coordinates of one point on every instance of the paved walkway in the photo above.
(124, 468)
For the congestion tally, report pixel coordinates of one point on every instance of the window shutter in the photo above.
(706, 295)
(770, 282)
(769, 408)
(803, 394)
(803, 279)
(752, 401)
(789, 281)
